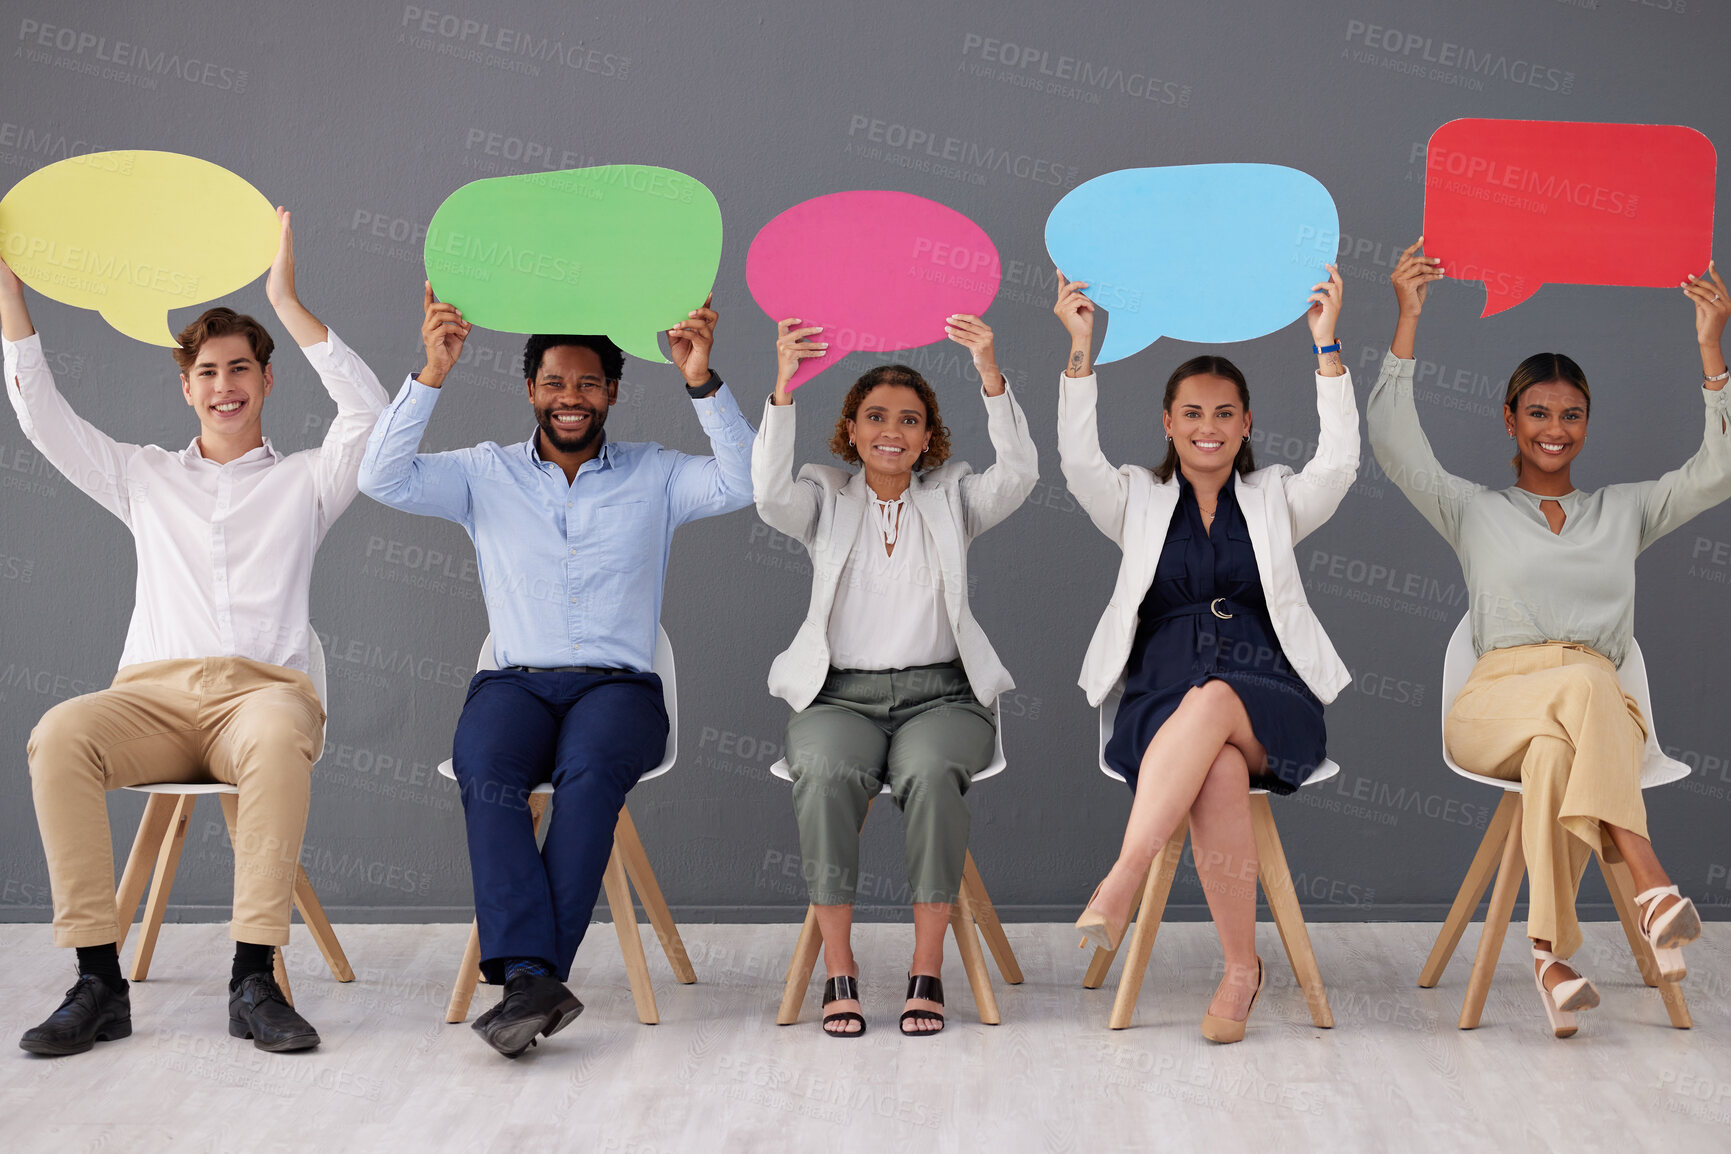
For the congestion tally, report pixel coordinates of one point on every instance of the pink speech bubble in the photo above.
(1520, 204)
(878, 270)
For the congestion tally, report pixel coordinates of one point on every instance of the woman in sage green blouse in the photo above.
(1550, 570)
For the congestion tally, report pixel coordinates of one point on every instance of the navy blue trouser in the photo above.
(592, 736)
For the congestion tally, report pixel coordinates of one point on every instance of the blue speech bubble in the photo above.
(1201, 252)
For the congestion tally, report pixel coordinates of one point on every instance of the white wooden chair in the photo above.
(971, 911)
(1499, 852)
(156, 851)
(627, 868)
(1272, 871)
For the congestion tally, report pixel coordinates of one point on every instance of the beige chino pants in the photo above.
(1555, 718)
(229, 719)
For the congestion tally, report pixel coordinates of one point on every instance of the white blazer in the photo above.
(822, 509)
(1134, 508)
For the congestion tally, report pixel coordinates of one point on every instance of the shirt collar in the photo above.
(193, 455)
(532, 449)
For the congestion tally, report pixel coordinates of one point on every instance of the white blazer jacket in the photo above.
(822, 509)
(1134, 508)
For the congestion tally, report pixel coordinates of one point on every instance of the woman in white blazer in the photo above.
(890, 678)
(1223, 666)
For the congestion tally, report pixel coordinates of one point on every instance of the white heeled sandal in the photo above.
(1667, 932)
(1562, 1003)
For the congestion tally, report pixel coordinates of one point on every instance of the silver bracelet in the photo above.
(1724, 376)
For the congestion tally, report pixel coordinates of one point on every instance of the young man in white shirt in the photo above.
(213, 682)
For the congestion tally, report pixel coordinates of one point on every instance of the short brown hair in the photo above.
(1543, 369)
(220, 322)
(936, 453)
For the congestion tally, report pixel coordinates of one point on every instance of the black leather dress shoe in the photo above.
(257, 1010)
(533, 1004)
(90, 1014)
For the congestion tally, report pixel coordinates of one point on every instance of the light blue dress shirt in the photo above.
(572, 573)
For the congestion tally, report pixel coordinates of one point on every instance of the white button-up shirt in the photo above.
(225, 552)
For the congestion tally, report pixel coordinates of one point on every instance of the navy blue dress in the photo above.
(1182, 642)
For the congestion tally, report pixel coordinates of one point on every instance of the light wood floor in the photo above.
(718, 1074)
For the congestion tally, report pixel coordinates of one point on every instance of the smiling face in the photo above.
(226, 387)
(1549, 424)
(890, 430)
(1208, 423)
(571, 396)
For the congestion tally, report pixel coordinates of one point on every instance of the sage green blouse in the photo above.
(1529, 585)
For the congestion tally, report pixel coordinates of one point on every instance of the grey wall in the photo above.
(362, 123)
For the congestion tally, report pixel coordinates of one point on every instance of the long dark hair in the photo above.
(1542, 369)
(1205, 366)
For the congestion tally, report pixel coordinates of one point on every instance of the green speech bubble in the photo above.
(135, 234)
(622, 249)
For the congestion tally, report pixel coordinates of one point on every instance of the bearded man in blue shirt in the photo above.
(571, 534)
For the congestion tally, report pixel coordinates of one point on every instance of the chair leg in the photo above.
(167, 861)
(146, 844)
(1103, 958)
(468, 976)
(1283, 905)
(1503, 894)
(799, 970)
(1153, 908)
(630, 848)
(1622, 887)
(1472, 891)
(279, 967)
(313, 914)
(987, 918)
(973, 958)
(618, 889)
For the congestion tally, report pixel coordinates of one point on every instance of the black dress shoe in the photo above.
(533, 1004)
(91, 1013)
(479, 1025)
(257, 1010)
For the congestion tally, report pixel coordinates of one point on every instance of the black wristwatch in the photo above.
(707, 388)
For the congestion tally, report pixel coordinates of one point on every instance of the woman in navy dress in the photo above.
(1223, 667)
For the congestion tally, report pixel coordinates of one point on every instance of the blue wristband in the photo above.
(1334, 348)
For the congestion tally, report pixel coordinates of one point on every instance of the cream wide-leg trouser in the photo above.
(1555, 718)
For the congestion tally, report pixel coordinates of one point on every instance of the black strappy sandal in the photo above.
(932, 990)
(842, 987)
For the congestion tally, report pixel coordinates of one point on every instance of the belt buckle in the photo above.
(1214, 608)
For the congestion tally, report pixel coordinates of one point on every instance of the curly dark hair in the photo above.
(936, 453)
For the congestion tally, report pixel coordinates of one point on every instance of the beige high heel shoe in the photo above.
(1568, 997)
(1667, 932)
(1096, 929)
(1225, 1030)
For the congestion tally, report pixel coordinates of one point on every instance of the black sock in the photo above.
(535, 967)
(250, 959)
(103, 962)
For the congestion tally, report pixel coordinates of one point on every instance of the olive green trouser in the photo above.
(919, 731)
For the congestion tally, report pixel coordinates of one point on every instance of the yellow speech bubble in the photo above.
(135, 234)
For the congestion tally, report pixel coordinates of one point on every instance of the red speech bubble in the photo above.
(1522, 203)
(879, 270)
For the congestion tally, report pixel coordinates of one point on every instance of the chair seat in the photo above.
(993, 768)
(446, 769)
(1320, 774)
(194, 788)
